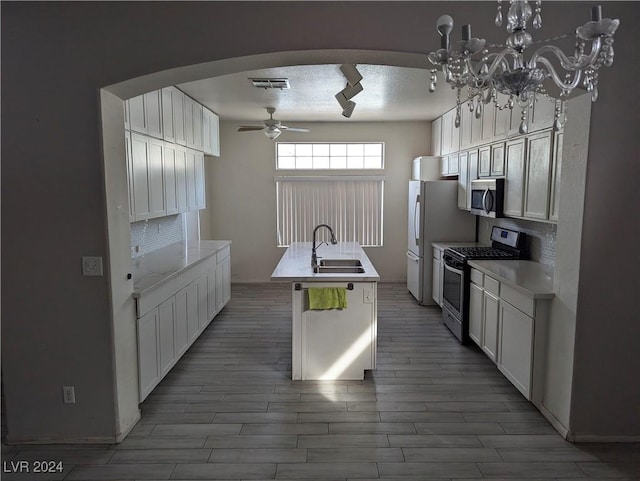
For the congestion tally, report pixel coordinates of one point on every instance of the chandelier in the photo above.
(470, 65)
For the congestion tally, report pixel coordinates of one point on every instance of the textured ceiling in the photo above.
(390, 94)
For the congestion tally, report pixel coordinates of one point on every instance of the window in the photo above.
(320, 156)
(352, 205)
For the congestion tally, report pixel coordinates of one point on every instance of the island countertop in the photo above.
(295, 264)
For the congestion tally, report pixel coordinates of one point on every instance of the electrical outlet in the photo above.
(68, 395)
(91, 266)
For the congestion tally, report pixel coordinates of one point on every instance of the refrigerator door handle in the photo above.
(412, 256)
(416, 211)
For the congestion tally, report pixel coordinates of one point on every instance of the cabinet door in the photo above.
(497, 160)
(476, 311)
(516, 119)
(503, 117)
(536, 204)
(215, 134)
(454, 164)
(514, 182)
(542, 113)
(140, 176)
(153, 113)
(555, 176)
(148, 363)
(473, 174)
(484, 169)
(137, 117)
(490, 332)
(181, 329)
(188, 105)
(181, 178)
(436, 137)
(465, 125)
(168, 132)
(203, 289)
(156, 179)
(127, 153)
(455, 132)
(463, 180)
(476, 126)
(197, 126)
(212, 306)
(435, 285)
(447, 131)
(516, 347)
(127, 124)
(488, 122)
(170, 186)
(444, 165)
(201, 201)
(206, 131)
(191, 179)
(166, 335)
(223, 282)
(193, 315)
(177, 102)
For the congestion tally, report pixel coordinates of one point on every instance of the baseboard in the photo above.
(594, 438)
(10, 441)
(557, 425)
(125, 432)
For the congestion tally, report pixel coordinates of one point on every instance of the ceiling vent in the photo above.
(271, 83)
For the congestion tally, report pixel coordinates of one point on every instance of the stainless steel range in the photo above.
(506, 244)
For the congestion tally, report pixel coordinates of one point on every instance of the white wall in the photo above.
(242, 200)
(57, 326)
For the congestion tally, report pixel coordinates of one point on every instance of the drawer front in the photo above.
(437, 253)
(518, 300)
(491, 285)
(223, 253)
(153, 299)
(477, 277)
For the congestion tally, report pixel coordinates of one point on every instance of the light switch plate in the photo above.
(91, 266)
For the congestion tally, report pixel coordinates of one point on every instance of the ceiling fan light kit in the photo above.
(469, 65)
(271, 127)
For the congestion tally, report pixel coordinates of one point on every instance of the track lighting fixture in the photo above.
(353, 88)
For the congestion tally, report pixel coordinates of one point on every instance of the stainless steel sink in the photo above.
(340, 263)
(339, 269)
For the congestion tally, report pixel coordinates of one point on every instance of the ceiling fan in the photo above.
(272, 128)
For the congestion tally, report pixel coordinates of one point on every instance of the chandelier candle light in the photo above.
(509, 73)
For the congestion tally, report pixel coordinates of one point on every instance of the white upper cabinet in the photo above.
(191, 179)
(497, 160)
(436, 137)
(488, 122)
(502, 117)
(170, 179)
(466, 122)
(140, 176)
(555, 176)
(127, 150)
(201, 202)
(484, 162)
(127, 125)
(210, 132)
(538, 176)
(476, 126)
(177, 102)
(514, 183)
(137, 118)
(145, 114)
(168, 130)
(181, 178)
(156, 178)
(448, 127)
(197, 126)
(542, 114)
(188, 105)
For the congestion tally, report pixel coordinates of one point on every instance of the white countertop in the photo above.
(445, 245)
(295, 264)
(530, 278)
(157, 267)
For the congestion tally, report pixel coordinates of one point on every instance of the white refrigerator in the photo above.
(433, 217)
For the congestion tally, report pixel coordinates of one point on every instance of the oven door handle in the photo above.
(453, 269)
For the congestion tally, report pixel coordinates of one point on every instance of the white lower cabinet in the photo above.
(476, 313)
(166, 331)
(148, 363)
(510, 327)
(516, 347)
(490, 330)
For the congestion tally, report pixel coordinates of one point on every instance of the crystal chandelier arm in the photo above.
(568, 63)
(493, 61)
(565, 86)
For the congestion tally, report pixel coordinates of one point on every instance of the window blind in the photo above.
(352, 205)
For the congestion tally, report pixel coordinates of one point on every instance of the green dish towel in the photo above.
(327, 297)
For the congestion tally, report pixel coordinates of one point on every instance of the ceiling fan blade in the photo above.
(293, 129)
(249, 128)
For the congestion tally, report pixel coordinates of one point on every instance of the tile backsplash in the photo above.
(541, 237)
(150, 235)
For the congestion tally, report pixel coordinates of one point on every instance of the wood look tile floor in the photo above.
(433, 409)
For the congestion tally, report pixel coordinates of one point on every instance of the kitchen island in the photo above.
(331, 343)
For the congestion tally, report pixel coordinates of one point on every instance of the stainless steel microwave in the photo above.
(487, 197)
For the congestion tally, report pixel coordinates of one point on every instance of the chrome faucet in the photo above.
(314, 258)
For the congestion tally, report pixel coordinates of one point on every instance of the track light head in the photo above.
(348, 110)
(351, 74)
(351, 91)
